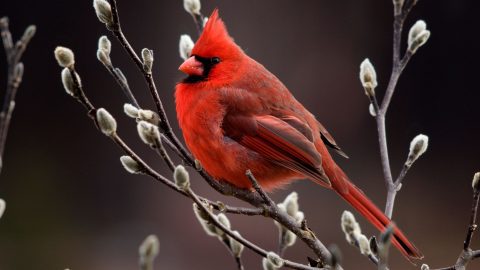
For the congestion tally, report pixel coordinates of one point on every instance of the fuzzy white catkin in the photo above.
(290, 238)
(130, 165)
(69, 84)
(3, 205)
(192, 6)
(148, 133)
(149, 248)
(417, 36)
(147, 57)
(185, 46)
(476, 181)
(130, 110)
(235, 246)
(291, 204)
(273, 258)
(103, 11)
(149, 116)
(368, 76)
(364, 245)
(104, 44)
(223, 219)
(425, 267)
(209, 228)
(371, 110)
(106, 122)
(418, 146)
(64, 56)
(182, 178)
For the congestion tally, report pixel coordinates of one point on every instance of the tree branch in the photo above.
(14, 76)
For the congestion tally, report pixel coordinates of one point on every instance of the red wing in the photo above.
(278, 141)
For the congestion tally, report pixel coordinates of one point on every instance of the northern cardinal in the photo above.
(235, 115)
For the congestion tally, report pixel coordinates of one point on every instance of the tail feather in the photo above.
(358, 200)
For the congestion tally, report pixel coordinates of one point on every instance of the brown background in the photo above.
(70, 204)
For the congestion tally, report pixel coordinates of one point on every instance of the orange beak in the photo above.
(192, 67)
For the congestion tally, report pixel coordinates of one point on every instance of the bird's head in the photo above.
(215, 55)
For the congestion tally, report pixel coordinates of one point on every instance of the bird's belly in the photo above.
(227, 160)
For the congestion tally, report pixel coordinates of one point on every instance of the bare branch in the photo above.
(14, 76)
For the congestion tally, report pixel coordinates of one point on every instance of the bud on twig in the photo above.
(371, 110)
(103, 51)
(69, 84)
(130, 110)
(148, 250)
(202, 217)
(2, 207)
(223, 219)
(417, 36)
(364, 245)
(148, 133)
(373, 245)
(350, 227)
(103, 11)
(182, 178)
(29, 33)
(64, 56)
(185, 46)
(274, 260)
(192, 6)
(235, 246)
(106, 122)
(418, 146)
(147, 56)
(425, 267)
(368, 77)
(131, 165)
(149, 116)
(476, 181)
(290, 238)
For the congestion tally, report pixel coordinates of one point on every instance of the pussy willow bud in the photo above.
(235, 246)
(290, 238)
(147, 56)
(425, 267)
(149, 248)
(371, 110)
(364, 245)
(106, 122)
(291, 204)
(417, 36)
(69, 84)
(205, 20)
(204, 220)
(2, 207)
(418, 146)
(103, 11)
(148, 133)
(223, 219)
(476, 181)
(130, 110)
(149, 116)
(192, 6)
(182, 178)
(131, 165)
(274, 259)
(29, 33)
(64, 56)
(104, 49)
(368, 77)
(185, 46)
(350, 227)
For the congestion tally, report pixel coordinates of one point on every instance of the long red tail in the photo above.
(358, 200)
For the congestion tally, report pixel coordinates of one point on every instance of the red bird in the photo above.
(235, 115)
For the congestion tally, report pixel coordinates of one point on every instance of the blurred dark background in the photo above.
(70, 204)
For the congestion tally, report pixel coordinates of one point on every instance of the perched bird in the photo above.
(235, 115)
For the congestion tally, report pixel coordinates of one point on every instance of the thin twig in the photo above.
(398, 64)
(14, 77)
(259, 190)
(240, 239)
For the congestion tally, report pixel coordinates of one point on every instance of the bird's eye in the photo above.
(215, 60)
